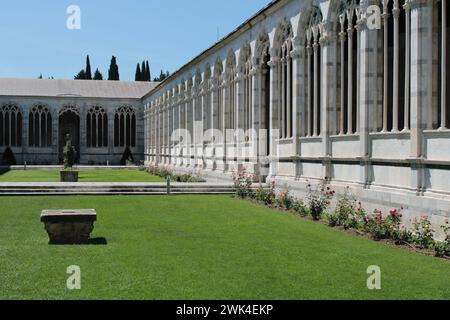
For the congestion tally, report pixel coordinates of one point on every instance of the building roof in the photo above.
(75, 88)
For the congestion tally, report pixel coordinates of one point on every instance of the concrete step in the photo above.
(111, 191)
(17, 189)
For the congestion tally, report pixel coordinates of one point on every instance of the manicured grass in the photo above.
(202, 247)
(84, 176)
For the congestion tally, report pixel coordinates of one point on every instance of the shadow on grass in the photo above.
(92, 242)
(98, 242)
(4, 169)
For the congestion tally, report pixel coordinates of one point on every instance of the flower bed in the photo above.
(348, 214)
(165, 172)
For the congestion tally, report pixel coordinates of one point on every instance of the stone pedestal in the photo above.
(69, 226)
(68, 176)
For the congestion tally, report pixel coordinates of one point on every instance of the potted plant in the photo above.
(69, 174)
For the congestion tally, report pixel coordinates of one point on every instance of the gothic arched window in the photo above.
(230, 79)
(207, 104)
(312, 65)
(40, 127)
(284, 76)
(348, 59)
(125, 127)
(10, 126)
(97, 128)
(395, 37)
(189, 107)
(245, 58)
(218, 113)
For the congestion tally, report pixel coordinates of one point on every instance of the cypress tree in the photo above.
(113, 72)
(148, 76)
(88, 69)
(138, 74)
(143, 71)
(98, 75)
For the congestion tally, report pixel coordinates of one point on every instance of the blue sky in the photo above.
(168, 33)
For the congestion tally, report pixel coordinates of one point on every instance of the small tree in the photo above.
(81, 75)
(143, 71)
(88, 69)
(98, 75)
(138, 75)
(147, 72)
(127, 156)
(8, 158)
(113, 73)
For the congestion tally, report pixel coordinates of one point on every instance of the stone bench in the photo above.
(69, 226)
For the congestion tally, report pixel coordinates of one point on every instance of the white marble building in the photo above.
(341, 100)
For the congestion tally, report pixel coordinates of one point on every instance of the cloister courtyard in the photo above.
(305, 155)
(201, 247)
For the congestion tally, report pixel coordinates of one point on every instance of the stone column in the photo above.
(358, 27)
(214, 118)
(158, 133)
(226, 122)
(223, 121)
(169, 132)
(162, 132)
(274, 133)
(296, 87)
(288, 101)
(193, 146)
(421, 86)
(367, 79)
(187, 114)
(342, 36)
(150, 131)
(407, 8)
(386, 64)
(145, 134)
(444, 70)
(396, 15)
(255, 116)
(155, 131)
(350, 73)
(309, 86)
(316, 48)
(327, 48)
(200, 132)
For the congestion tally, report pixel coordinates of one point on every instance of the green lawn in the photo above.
(202, 247)
(84, 176)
